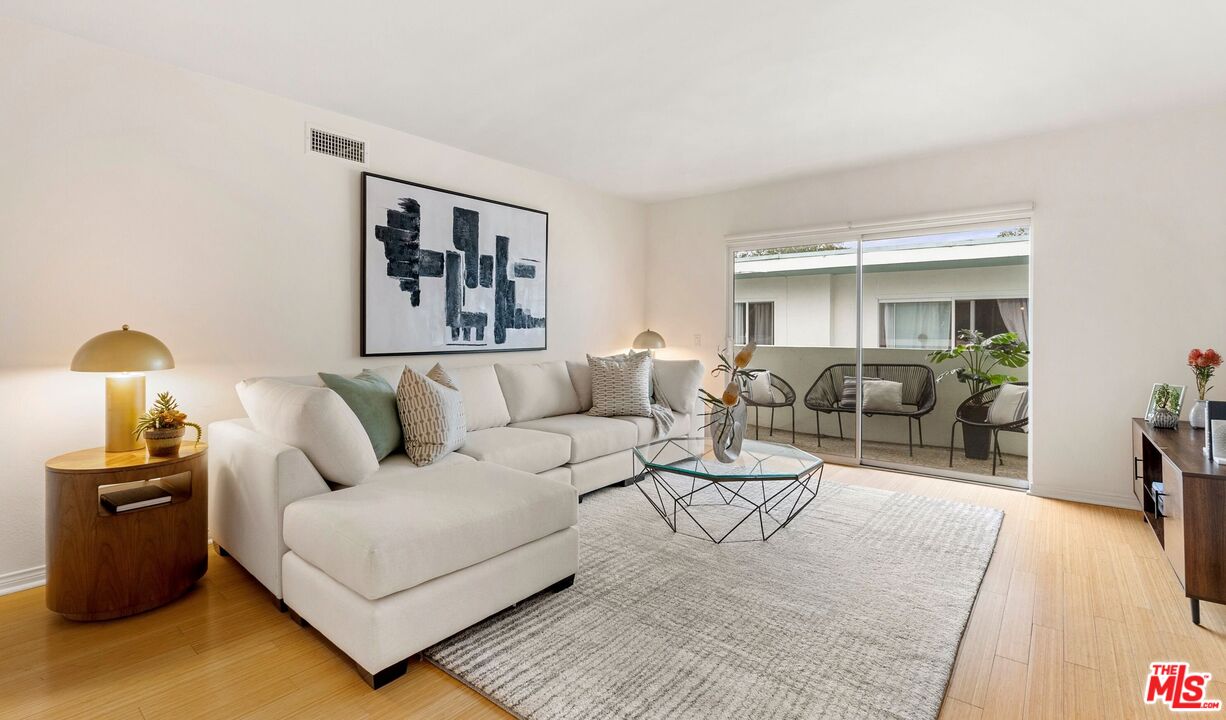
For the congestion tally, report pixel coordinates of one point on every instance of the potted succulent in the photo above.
(163, 427)
(727, 411)
(981, 357)
(1203, 364)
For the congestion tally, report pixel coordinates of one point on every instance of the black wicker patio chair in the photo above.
(782, 395)
(974, 412)
(919, 394)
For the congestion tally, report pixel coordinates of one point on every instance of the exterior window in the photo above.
(992, 316)
(916, 325)
(754, 321)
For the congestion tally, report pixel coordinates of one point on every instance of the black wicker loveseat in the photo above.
(919, 394)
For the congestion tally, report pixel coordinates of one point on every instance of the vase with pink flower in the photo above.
(1203, 364)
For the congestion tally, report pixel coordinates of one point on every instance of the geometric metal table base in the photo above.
(752, 500)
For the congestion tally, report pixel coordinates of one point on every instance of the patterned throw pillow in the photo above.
(1012, 403)
(431, 414)
(848, 399)
(621, 385)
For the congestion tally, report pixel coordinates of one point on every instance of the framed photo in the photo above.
(445, 272)
(1175, 403)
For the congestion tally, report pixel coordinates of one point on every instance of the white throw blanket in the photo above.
(664, 420)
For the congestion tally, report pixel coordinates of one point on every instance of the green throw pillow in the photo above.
(373, 400)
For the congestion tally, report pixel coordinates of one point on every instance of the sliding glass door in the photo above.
(892, 348)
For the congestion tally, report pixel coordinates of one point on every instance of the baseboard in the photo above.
(19, 580)
(1127, 502)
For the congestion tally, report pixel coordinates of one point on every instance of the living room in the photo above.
(518, 360)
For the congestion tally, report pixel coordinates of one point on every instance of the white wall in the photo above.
(134, 192)
(1128, 254)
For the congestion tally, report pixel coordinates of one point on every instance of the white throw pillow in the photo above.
(537, 390)
(431, 414)
(1012, 403)
(621, 385)
(316, 421)
(677, 383)
(760, 388)
(484, 405)
(882, 396)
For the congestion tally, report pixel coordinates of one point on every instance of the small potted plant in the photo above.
(1167, 402)
(727, 411)
(1203, 365)
(981, 356)
(163, 427)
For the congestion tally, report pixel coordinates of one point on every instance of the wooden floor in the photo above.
(1077, 601)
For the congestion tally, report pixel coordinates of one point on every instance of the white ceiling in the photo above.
(655, 99)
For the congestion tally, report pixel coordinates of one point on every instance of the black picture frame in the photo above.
(364, 239)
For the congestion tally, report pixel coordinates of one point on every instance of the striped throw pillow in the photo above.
(621, 385)
(848, 398)
(431, 414)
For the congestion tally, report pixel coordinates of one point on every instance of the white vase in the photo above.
(1196, 418)
(726, 437)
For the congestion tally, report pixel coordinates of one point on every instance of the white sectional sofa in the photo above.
(410, 555)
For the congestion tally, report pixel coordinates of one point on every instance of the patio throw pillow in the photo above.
(882, 396)
(1012, 403)
(621, 385)
(760, 388)
(848, 398)
(373, 400)
(431, 413)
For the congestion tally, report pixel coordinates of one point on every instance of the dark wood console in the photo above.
(1188, 514)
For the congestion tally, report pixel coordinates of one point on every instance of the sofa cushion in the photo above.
(400, 467)
(677, 383)
(484, 406)
(373, 401)
(581, 378)
(646, 427)
(386, 536)
(528, 450)
(537, 390)
(590, 436)
(316, 421)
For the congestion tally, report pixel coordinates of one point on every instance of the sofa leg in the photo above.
(562, 584)
(281, 606)
(221, 551)
(384, 676)
(298, 619)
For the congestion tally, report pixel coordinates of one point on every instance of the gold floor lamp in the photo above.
(124, 355)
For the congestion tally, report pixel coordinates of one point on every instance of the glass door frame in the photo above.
(859, 233)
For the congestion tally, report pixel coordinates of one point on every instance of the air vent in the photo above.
(337, 146)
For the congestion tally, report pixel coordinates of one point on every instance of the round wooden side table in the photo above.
(103, 565)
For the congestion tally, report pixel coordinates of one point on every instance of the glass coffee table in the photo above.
(751, 499)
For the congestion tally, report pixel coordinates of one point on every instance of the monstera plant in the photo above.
(982, 358)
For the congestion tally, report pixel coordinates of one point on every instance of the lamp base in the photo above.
(125, 401)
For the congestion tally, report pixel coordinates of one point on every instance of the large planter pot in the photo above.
(164, 442)
(726, 437)
(976, 442)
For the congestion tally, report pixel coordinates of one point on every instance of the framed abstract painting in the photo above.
(444, 272)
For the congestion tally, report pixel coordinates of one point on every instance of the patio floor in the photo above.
(929, 456)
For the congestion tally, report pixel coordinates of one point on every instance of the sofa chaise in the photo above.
(386, 565)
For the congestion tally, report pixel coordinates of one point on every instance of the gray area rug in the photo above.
(855, 610)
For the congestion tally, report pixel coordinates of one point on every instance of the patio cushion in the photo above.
(590, 436)
(520, 448)
(1010, 405)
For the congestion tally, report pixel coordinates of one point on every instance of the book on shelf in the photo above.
(118, 501)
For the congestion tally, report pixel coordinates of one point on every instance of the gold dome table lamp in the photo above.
(124, 355)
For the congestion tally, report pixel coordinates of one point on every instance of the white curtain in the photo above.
(1014, 314)
(917, 325)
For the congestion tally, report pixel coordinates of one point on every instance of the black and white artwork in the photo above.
(444, 272)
